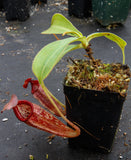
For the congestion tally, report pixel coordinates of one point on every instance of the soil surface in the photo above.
(19, 43)
(96, 75)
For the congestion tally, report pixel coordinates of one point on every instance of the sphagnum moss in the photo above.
(86, 74)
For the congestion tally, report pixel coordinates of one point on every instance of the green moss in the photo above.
(98, 76)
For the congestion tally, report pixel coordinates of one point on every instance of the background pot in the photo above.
(95, 111)
(33, 2)
(80, 8)
(16, 9)
(110, 11)
(1, 5)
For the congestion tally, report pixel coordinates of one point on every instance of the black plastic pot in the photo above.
(1, 5)
(33, 2)
(95, 112)
(80, 8)
(16, 9)
(43, 1)
(110, 11)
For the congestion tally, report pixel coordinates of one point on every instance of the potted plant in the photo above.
(90, 83)
(108, 12)
(94, 94)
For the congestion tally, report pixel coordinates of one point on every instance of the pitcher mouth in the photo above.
(23, 110)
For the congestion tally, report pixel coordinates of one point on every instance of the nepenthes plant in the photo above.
(43, 63)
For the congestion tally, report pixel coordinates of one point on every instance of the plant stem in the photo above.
(89, 52)
(73, 61)
(56, 36)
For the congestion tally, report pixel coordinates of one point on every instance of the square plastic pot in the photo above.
(80, 8)
(16, 9)
(109, 12)
(33, 2)
(1, 5)
(97, 114)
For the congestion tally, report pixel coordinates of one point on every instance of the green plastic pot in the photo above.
(108, 12)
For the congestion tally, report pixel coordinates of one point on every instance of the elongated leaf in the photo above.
(61, 25)
(49, 56)
(120, 42)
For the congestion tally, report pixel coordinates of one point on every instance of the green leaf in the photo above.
(50, 55)
(120, 42)
(61, 25)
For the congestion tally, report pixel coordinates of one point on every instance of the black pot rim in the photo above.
(96, 91)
